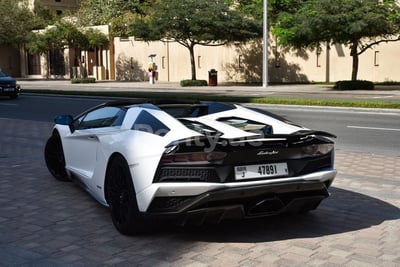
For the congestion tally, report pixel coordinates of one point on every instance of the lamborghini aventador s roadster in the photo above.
(191, 161)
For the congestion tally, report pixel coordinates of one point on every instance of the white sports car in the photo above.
(192, 161)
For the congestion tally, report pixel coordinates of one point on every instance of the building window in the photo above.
(58, 12)
(319, 52)
(163, 62)
(376, 60)
(198, 62)
(58, 1)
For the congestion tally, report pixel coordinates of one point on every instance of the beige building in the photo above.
(243, 63)
(127, 59)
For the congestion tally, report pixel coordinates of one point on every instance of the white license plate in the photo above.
(261, 170)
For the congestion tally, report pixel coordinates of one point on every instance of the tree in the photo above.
(16, 23)
(253, 8)
(65, 34)
(191, 23)
(358, 24)
(116, 13)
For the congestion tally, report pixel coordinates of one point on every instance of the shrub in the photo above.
(354, 85)
(83, 80)
(184, 83)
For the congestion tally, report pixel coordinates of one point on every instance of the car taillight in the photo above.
(192, 157)
(317, 149)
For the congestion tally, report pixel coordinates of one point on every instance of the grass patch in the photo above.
(235, 99)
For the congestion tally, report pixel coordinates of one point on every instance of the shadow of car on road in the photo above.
(344, 211)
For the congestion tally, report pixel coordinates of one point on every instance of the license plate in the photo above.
(261, 170)
(8, 89)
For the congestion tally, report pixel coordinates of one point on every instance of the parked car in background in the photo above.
(191, 161)
(9, 86)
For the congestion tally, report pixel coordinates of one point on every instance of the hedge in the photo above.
(184, 83)
(83, 80)
(354, 85)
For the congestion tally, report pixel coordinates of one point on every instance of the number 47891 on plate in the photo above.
(261, 170)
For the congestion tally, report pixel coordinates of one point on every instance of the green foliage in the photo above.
(16, 23)
(336, 21)
(191, 23)
(197, 22)
(83, 80)
(359, 24)
(65, 34)
(184, 83)
(43, 15)
(95, 38)
(255, 8)
(119, 14)
(354, 85)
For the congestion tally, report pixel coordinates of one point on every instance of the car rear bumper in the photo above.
(200, 202)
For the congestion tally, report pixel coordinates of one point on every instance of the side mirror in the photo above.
(64, 119)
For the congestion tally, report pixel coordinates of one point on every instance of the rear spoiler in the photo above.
(296, 135)
(213, 141)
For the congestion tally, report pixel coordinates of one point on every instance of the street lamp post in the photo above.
(265, 45)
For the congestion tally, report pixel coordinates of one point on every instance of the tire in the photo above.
(13, 96)
(121, 198)
(54, 157)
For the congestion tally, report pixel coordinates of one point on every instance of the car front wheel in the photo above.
(54, 157)
(121, 198)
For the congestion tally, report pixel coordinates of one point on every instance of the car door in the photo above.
(83, 146)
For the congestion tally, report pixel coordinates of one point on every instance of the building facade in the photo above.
(243, 63)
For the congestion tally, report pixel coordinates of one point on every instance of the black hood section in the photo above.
(208, 143)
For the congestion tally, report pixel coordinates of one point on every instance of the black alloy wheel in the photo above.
(122, 198)
(54, 157)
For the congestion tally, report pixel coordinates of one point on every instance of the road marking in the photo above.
(378, 97)
(373, 128)
(7, 104)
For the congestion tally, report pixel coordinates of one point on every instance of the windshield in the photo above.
(2, 74)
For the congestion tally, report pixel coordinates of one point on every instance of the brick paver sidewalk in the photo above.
(44, 222)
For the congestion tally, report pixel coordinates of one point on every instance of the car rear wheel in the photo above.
(54, 157)
(122, 198)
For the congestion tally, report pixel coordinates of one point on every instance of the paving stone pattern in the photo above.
(44, 222)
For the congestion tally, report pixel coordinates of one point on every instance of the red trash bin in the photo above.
(212, 77)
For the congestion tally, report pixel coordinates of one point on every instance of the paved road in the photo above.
(44, 222)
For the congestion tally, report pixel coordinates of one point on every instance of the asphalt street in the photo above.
(44, 222)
